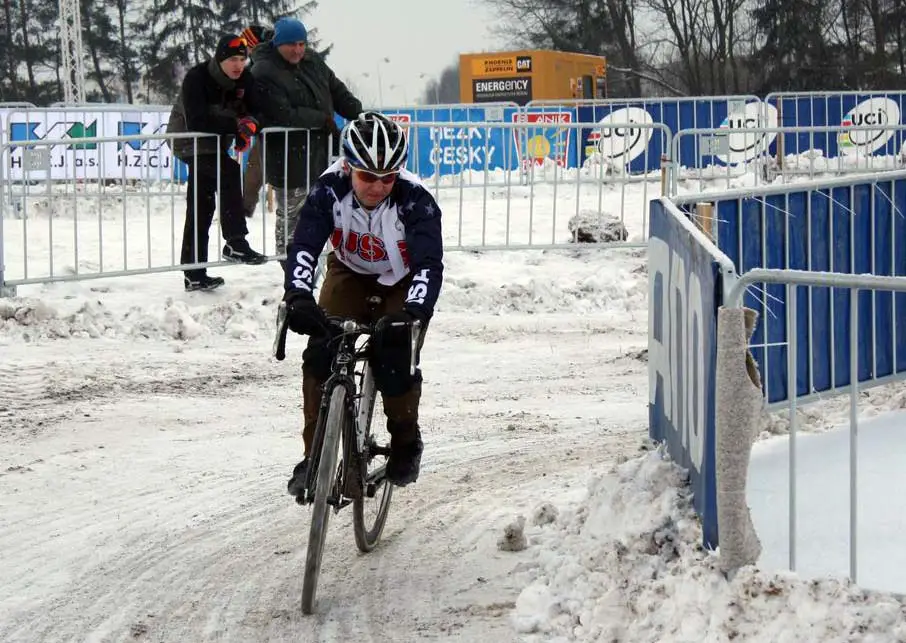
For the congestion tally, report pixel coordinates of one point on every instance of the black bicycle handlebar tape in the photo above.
(282, 328)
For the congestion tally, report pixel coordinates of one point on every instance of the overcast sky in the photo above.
(417, 36)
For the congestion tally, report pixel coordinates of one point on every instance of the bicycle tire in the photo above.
(366, 538)
(324, 486)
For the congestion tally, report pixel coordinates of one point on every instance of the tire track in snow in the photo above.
(22, 386)
(179, 529)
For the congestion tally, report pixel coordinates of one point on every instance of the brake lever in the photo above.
(279, 348)
(414, 336)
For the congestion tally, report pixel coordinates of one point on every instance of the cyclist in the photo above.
(385, 233)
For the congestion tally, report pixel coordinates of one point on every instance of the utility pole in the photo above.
(71, 52)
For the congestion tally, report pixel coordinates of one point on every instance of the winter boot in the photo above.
(199, 280)
(405, 452)
(239, 251)
(296, 485)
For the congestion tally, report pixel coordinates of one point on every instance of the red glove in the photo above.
(245, 132)
(247, 127)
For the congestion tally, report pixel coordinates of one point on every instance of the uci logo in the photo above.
(743, 146)
(624, 135)
(874, 111)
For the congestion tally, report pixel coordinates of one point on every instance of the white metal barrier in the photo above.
(63, 229)
(734, 540)
(520, 184)
(90, 207)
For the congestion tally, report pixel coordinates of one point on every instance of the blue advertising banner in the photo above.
(684, 295)
(629, 145)
(454, 149)
(846, 109)
(474, 143)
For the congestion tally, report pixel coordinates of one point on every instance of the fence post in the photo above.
(665, 164)
(5, 291)
(779, 134)
(704, 218)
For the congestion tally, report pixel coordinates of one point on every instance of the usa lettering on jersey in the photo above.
(419, 288)
(304, 272)
(367, 246)
(372, 242)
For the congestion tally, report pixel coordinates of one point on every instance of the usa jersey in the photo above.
(401, 236)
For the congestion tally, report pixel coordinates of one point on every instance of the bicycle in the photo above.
(347, 407)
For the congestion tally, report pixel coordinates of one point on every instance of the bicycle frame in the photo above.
(343, 373)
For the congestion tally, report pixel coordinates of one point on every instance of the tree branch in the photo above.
(644, 76)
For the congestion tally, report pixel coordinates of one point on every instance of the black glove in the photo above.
(305, 316)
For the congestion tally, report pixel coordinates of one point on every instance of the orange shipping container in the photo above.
(521, 76)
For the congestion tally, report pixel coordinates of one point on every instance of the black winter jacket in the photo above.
(305, 96)
(209, 101)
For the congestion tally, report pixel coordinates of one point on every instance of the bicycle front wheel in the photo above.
(324, 485)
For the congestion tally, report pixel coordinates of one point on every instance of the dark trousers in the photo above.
(345, 293)
(201, 190)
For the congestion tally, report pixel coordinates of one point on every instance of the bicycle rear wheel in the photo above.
(324, 487)
(369, 514)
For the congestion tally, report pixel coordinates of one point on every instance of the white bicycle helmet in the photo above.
(374, 143)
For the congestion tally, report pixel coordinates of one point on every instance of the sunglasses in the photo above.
(369, 177)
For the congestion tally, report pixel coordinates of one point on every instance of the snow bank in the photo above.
(627, 565)
(612, 283)
(33, 319)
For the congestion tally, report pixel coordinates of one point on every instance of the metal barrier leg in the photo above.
(5, 291)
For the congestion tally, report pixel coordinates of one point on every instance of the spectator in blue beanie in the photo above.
(298, 90)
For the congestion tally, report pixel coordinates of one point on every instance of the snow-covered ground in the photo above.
(823, 502)
(146, 437)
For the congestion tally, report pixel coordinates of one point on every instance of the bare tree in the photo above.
(704, 50)
(599, 27)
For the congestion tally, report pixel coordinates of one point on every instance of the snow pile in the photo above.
(627, 565)
(609, 283)
(513, 536)
(833, 411)
(31, 319)
(591, 281)
(589, 226)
